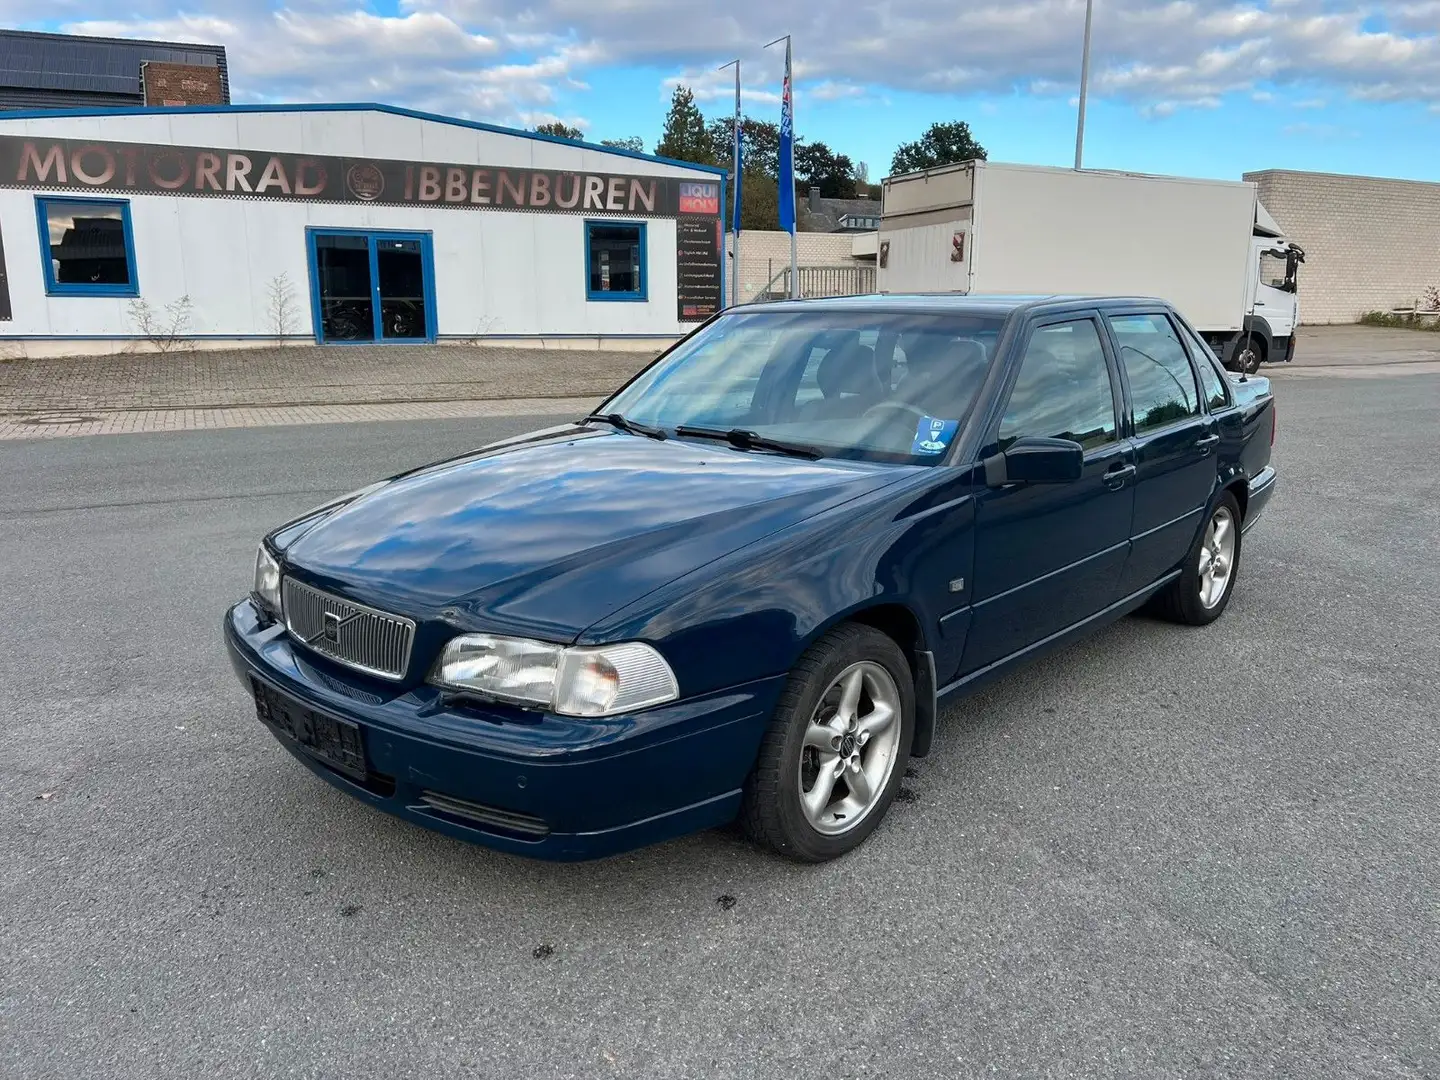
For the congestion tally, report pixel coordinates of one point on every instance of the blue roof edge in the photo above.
(394, 110)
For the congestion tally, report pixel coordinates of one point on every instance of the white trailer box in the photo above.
(983, 227)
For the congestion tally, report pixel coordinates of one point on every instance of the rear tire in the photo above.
(1202, 592)
(835, 752)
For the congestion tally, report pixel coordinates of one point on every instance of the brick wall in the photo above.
(764, 254)
(1370, 244)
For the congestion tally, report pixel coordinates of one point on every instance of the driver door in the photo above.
(1048, 556)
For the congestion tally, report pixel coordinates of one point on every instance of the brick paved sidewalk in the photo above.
(306, 375)
(53, 425)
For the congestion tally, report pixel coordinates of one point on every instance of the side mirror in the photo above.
(1036, 461)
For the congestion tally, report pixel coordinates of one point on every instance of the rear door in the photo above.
(1174, 443)
(1049, 555)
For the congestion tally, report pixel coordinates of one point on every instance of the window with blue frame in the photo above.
(88, 247)
(615, 260)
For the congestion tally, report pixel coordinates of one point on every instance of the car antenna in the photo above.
(1247, 309)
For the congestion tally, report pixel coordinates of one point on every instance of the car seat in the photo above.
(848, 382)
(942, 379)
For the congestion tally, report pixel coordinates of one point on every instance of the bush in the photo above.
(1401, 321)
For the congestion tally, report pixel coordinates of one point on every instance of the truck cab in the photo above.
(1274, 298)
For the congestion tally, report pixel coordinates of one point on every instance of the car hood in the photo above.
(548, 536)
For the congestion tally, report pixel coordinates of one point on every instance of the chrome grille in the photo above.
(366, 639)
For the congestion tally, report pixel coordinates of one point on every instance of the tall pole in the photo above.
(787, 162)
(735, 213)
(1084, 85)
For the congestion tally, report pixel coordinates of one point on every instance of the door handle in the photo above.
(1115, 478)
(1205, 443)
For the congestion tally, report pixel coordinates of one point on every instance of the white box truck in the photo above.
(1206, 246)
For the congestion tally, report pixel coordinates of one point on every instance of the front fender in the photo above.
(757, 610)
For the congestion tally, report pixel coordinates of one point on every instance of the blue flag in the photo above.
(787, 152)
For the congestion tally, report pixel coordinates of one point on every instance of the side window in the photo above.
(1162, 384)
(615, 261)
(1212, 381)
(1063, 389)
(90, 249)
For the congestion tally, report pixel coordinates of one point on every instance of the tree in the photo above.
(634, 142)
(944, 144)
(561, 131)
(759, 144)
(684, 137)
(759, 202)
(816, 165)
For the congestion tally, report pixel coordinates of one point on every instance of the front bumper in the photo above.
(534, 784)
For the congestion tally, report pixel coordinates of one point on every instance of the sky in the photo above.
(1189, 87)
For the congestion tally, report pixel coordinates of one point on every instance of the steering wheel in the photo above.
(894, 406)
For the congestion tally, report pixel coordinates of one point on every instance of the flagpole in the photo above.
(1084, 85)
(735, 213)
(787, 176)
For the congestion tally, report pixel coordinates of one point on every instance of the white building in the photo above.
(342, 224)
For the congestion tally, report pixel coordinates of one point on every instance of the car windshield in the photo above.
(876, 385)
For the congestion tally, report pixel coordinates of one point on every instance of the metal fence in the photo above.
(816, 281)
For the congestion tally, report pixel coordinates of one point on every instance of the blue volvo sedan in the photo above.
(742, 587)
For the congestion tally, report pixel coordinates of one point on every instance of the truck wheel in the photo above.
(835, 752)
(1250, 356)
(1201, 593)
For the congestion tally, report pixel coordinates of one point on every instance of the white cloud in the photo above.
(508, 59)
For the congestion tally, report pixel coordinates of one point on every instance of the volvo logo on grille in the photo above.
(330, 628)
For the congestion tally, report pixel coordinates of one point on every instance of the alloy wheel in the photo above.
(850, 748)
(1217, 557)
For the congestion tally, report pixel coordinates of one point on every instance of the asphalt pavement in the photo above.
(1162, 852)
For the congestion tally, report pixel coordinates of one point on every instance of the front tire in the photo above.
(1202, 592)
(835, 752)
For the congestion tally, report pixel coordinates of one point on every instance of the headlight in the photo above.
(267, 580)
(593, 681)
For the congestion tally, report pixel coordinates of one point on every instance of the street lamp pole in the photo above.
(1084, 85)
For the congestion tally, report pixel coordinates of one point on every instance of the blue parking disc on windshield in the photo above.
(933, 436)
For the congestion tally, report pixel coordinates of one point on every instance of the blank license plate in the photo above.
(335, 742)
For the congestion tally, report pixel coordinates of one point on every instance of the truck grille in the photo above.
(361, 637)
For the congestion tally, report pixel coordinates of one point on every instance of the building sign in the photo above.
(76, 166)
(181, 84)
(699, 245)
(5, 312)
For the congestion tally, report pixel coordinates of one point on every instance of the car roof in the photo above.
(992, 304)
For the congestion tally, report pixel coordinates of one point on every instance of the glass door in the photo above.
(372, 286)
(344, 286)
(403, 311)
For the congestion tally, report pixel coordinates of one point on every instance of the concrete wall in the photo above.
(1370, 244)
(764, 254)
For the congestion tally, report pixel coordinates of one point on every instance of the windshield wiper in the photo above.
(634, 427)
(749, 440)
